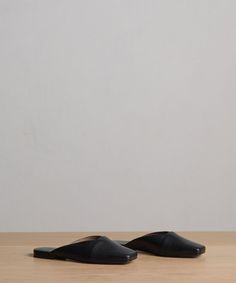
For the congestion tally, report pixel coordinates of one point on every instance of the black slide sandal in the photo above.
(168, 244)
(93, 249)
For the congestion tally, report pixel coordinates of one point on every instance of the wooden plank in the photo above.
(18, 265)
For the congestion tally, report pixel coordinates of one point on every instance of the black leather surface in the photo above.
(167, 244)
(95, 249)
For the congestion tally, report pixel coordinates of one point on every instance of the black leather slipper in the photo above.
(93, 249)
(165, 243)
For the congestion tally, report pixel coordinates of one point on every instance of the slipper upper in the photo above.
(167, 244)
(95, 247)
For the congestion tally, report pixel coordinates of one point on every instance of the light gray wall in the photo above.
(117, 115)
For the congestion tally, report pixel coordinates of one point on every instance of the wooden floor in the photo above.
(18, 265)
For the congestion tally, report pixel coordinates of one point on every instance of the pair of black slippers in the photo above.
(100, 249)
